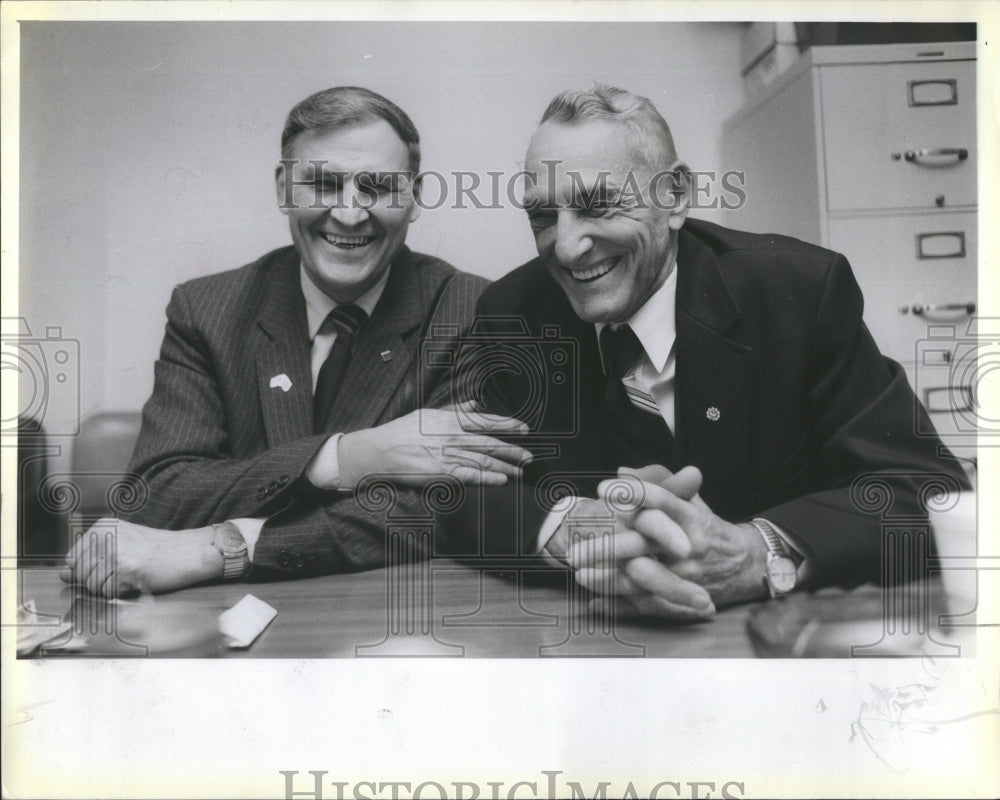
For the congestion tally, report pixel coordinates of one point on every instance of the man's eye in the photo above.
(380, 184)
(603, 208)
(383, 188)
(327, 185)
(540, 221)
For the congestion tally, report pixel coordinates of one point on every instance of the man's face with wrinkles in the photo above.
(604, 218)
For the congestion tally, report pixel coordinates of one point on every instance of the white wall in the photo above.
(147, 149)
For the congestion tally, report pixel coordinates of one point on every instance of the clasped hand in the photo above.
(668, 554)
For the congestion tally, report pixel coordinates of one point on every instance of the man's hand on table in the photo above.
(428, 443)
(117, 557)
(671, 556)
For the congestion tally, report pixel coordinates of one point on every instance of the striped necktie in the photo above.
(346, 321)
(639, 436)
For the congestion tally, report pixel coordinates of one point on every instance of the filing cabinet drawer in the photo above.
(946, 386)
(899, 135)
(924, 263)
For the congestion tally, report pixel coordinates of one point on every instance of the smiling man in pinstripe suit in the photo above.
(281, 384)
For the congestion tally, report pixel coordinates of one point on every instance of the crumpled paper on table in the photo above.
(34, 629)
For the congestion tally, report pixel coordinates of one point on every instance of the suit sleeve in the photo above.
(183, 452)
(869, 464)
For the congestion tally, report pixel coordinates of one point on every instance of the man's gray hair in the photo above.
(611, 104)
(344, 106)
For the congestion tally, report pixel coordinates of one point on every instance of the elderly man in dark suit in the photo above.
(728, 376)
(281, 384)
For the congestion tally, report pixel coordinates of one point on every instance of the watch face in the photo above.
(781, 573)
(230, 542)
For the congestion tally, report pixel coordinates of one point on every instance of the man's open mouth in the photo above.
(593, 273)
(348, 242)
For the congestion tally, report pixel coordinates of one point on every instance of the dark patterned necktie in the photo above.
(346, 321)
(639, 437)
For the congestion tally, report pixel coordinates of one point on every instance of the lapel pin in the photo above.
(712, 413)
(386, 355)
(281, 382)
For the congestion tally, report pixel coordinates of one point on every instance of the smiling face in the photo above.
(349, 213)
(605, 220)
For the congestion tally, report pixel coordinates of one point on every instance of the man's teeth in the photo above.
(593, 273)
(348, 242)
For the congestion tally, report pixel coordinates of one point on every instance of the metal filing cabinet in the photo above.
(871, 151)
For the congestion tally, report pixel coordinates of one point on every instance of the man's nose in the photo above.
(572, 239)
(352, 207)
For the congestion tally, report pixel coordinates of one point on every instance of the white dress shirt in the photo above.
(650, 382)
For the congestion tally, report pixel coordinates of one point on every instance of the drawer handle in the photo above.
(954, 154)
(939, 308)
(955, 399)
(929, 93)
(933, 245)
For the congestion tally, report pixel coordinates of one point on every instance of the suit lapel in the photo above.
(385, 350)
(282, 349)
(713, 379)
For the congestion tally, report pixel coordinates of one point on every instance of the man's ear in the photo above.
(415, 211)
(681, 194)
(284, 203)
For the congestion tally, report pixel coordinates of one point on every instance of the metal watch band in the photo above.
(780, 572)
(775, 544)
(235, 564)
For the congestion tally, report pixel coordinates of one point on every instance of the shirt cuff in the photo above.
(550, 525)
(250, 530)
(323, 471)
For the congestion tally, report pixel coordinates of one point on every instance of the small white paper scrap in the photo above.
(245, 621)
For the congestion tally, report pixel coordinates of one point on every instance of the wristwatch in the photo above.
(780, 572)
(230, 542)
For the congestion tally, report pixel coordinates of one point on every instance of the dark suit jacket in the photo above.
(219, 442)
(769, 333)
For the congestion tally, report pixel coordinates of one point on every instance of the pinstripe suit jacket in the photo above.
(219, 442)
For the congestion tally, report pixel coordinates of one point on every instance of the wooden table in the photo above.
(436, 608)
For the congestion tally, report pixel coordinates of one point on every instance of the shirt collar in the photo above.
(654, 323)
(319, 304)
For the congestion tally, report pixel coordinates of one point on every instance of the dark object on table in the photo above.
(839, 623)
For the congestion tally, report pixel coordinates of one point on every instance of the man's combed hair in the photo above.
(611, 104)
(344, 106)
